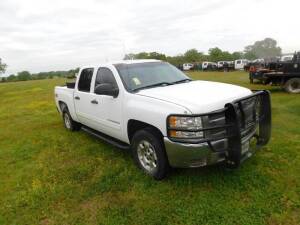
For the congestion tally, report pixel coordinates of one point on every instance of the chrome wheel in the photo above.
(67, 121)
(147, 156)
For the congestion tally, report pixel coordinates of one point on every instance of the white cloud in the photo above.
(42, 35)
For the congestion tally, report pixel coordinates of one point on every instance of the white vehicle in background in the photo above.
(165, 118)
(209, 66)
(258, 61)
(220, 64)
(187, 66)
(239, 64)
(286, 58)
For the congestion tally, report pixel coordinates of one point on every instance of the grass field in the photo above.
(51, 176)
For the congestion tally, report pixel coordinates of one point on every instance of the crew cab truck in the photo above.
(165, 118)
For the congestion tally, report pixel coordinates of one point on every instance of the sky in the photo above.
(43, 35)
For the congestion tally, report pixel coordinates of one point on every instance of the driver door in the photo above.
(107, 110)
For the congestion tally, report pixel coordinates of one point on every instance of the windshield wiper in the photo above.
(182, 81)
(153, 85)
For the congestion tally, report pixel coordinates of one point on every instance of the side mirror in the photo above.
(107, 89)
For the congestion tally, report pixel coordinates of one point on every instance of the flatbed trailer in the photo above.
(289, 81)
(284, 74)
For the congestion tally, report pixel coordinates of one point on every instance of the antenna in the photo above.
(125, 52)
(124, 48)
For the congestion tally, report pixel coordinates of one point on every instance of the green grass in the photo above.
(51, 176)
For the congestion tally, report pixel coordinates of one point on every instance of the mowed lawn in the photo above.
(51, 176)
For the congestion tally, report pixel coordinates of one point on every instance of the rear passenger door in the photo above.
(83, 97)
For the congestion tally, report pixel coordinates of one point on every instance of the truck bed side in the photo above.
(65, 95)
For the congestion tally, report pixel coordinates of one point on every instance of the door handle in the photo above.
(77, 97)
(94, 101)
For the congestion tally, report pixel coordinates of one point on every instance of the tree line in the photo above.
(266, 48)
(25, 75)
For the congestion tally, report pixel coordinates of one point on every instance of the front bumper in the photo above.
(232, 145)
(183, 155)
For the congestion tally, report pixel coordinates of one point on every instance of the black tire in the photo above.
(69, 123)
(292, 86)
(151, 135)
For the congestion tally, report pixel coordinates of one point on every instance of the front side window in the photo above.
(142, 75)
(105, 75)
(85, 80)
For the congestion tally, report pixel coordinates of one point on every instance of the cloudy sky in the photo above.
(43, 35)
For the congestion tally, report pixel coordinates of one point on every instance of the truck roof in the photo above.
(121, 62)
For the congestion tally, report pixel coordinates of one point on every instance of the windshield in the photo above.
(142, 75)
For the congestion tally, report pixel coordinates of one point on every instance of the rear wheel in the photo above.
(69, 123)
(292, 86)
(149, 153)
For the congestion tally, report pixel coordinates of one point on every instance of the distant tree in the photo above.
(176, 60)
(146, 55)
(11, 77)
(3, 79)
(237, 55)
(70, 73)
(250, 55)
(156, 55)
(266, 48)
(215, 54)
(227, 56)
(2, 67)
(129, 56)
(24, 75)
(193, 55)
(141, 55)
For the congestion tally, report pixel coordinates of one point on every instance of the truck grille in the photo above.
(217, 134)
(247, 116)
(229, 129)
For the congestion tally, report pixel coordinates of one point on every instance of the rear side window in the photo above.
(85, 80)
(105, 75)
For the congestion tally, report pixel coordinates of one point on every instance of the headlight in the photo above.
(185, 127)
(189, 123)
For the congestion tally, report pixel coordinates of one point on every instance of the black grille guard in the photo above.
(235, 126)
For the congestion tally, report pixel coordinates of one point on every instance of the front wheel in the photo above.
(149, 153)
(292, 86)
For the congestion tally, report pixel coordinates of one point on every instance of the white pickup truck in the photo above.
(163, 116)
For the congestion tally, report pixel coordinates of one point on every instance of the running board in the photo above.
(106, 138)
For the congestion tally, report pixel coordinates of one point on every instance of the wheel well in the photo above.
(135, 125)
(62, 106)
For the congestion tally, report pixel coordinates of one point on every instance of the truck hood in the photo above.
(198, 96)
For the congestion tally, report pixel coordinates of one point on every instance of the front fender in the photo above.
(151, 111)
